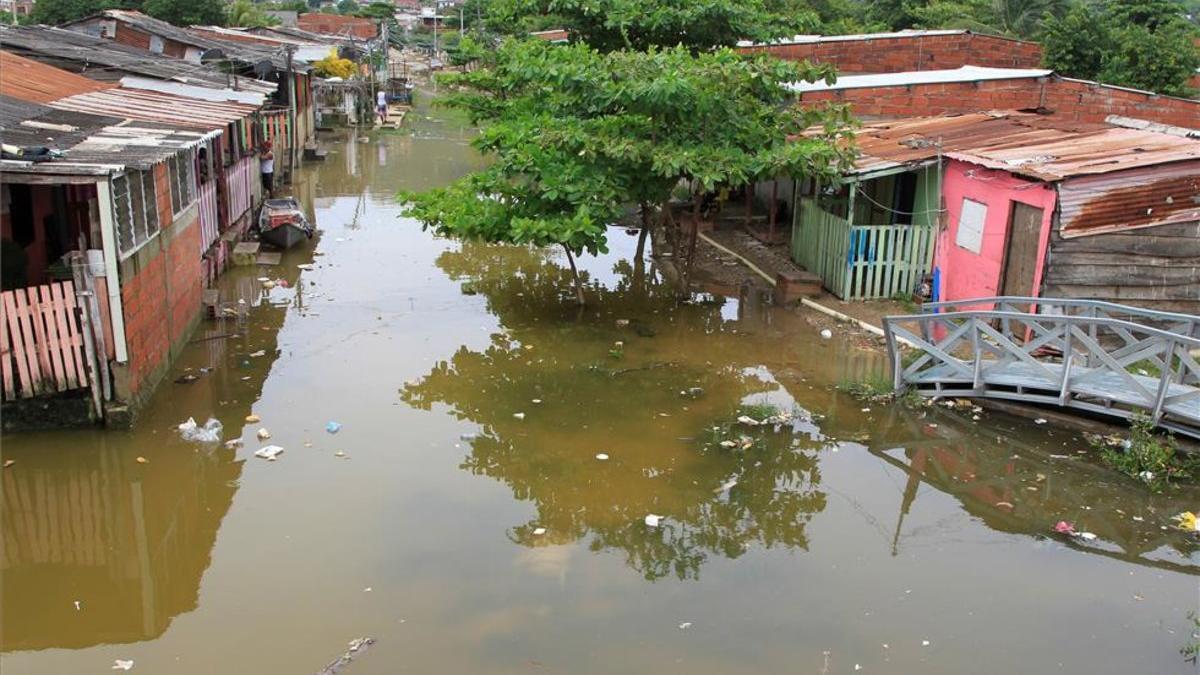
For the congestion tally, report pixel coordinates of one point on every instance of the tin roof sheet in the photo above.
(28, 80)
(913, 77)
(105, 60)
(1027, 144)
(153, 106)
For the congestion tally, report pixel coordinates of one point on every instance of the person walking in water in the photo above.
(381, 106)
(267, 164)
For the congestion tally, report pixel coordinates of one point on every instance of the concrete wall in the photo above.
(899, 54)
(1069, 100)
(963, 273)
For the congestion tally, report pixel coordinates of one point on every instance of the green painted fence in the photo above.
(861, 262)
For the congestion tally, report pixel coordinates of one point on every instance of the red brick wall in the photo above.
(906, 53)
(133, 37)
(128, 35)
(162, 193)
(1070, 100)
(162, 296)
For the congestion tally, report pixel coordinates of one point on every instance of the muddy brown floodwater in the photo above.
(462, 519)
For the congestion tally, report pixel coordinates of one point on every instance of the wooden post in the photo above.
(79, 270)
(774, 209)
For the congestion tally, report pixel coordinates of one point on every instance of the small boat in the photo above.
(282, 223)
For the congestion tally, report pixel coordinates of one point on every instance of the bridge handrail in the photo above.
(1194, 341)
(1190, 320)
(1171, 348)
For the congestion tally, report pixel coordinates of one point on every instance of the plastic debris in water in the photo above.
(1040, 420)
(539, 531)
(142, 460)
(209, 433)
(601, 456)
(122, 664)
(519, 416)
(826, 333)
(1063, 527)
(653, 520)
(924, 643)
(263, 434)
(748, 421)
(9, 462)
(269, 452)
(536, 401)
(333, 427)
(1087, 536)
(77, 606)
(728, 485)
(339, 453)
(685, 625)
(1187, 521)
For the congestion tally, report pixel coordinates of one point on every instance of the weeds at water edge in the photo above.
(1146, 456)
(879, 390)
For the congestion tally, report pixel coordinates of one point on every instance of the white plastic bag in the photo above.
(209, 433)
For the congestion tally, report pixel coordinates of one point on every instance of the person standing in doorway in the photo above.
(267, 164)
(381, 106)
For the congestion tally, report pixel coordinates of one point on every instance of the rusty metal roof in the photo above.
(1026, 144)
(28, 80)
(100, 59)
(154, 106)
(1133, 199)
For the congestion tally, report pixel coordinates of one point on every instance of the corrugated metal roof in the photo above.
(1027, 144)
(246, 54)
(28, 80)
(1133, 199)
(156, 106)
(913, 77)
(101, 59)
(90, 144)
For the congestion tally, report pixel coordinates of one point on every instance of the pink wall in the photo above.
(963, 273)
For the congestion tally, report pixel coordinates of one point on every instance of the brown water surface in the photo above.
(470, 528)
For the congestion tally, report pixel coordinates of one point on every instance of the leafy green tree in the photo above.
(187, 12)
(1144, 44)
(1013, 18)
(1074, 44)
(639, 24)
(54, 12)
(376, 10)
(347, 7)
(245, 14)
(575, 135)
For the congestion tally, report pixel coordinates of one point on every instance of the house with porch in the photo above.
(112, 228)
(1009, 203)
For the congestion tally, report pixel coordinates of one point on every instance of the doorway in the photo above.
(1021, 251)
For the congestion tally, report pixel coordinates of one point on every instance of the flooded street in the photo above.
(462, 518)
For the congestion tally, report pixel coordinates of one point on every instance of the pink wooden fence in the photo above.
(239, 179)
(41, 341)
(210, 227)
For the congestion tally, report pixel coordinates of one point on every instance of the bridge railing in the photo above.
(1073, 360)
(1184, 324)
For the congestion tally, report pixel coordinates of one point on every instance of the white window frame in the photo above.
(126, 216)
(185, 159)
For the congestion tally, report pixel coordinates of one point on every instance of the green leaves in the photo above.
(575, 134)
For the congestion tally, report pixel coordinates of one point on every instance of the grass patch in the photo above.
(1146, 456)
(906, 300)
(759, 411)
(879, 390)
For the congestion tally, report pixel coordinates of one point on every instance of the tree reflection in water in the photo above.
(637, 403)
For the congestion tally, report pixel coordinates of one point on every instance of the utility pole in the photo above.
(293, 110)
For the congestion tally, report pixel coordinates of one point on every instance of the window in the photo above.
(135, 206)
(156, 44)
(970, 226)
(181, 171)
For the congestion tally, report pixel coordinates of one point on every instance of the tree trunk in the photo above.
(691, 254)
(639, 262)
(575, 276)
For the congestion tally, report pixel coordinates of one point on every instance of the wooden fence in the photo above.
(210, 227)
(240, 187)
(862, 262)
(41, 341)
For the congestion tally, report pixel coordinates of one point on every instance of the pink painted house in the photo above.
(997, 230)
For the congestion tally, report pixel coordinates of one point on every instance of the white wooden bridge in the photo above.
(1095, 356)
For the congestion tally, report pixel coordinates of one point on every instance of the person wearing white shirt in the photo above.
(381, 106)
